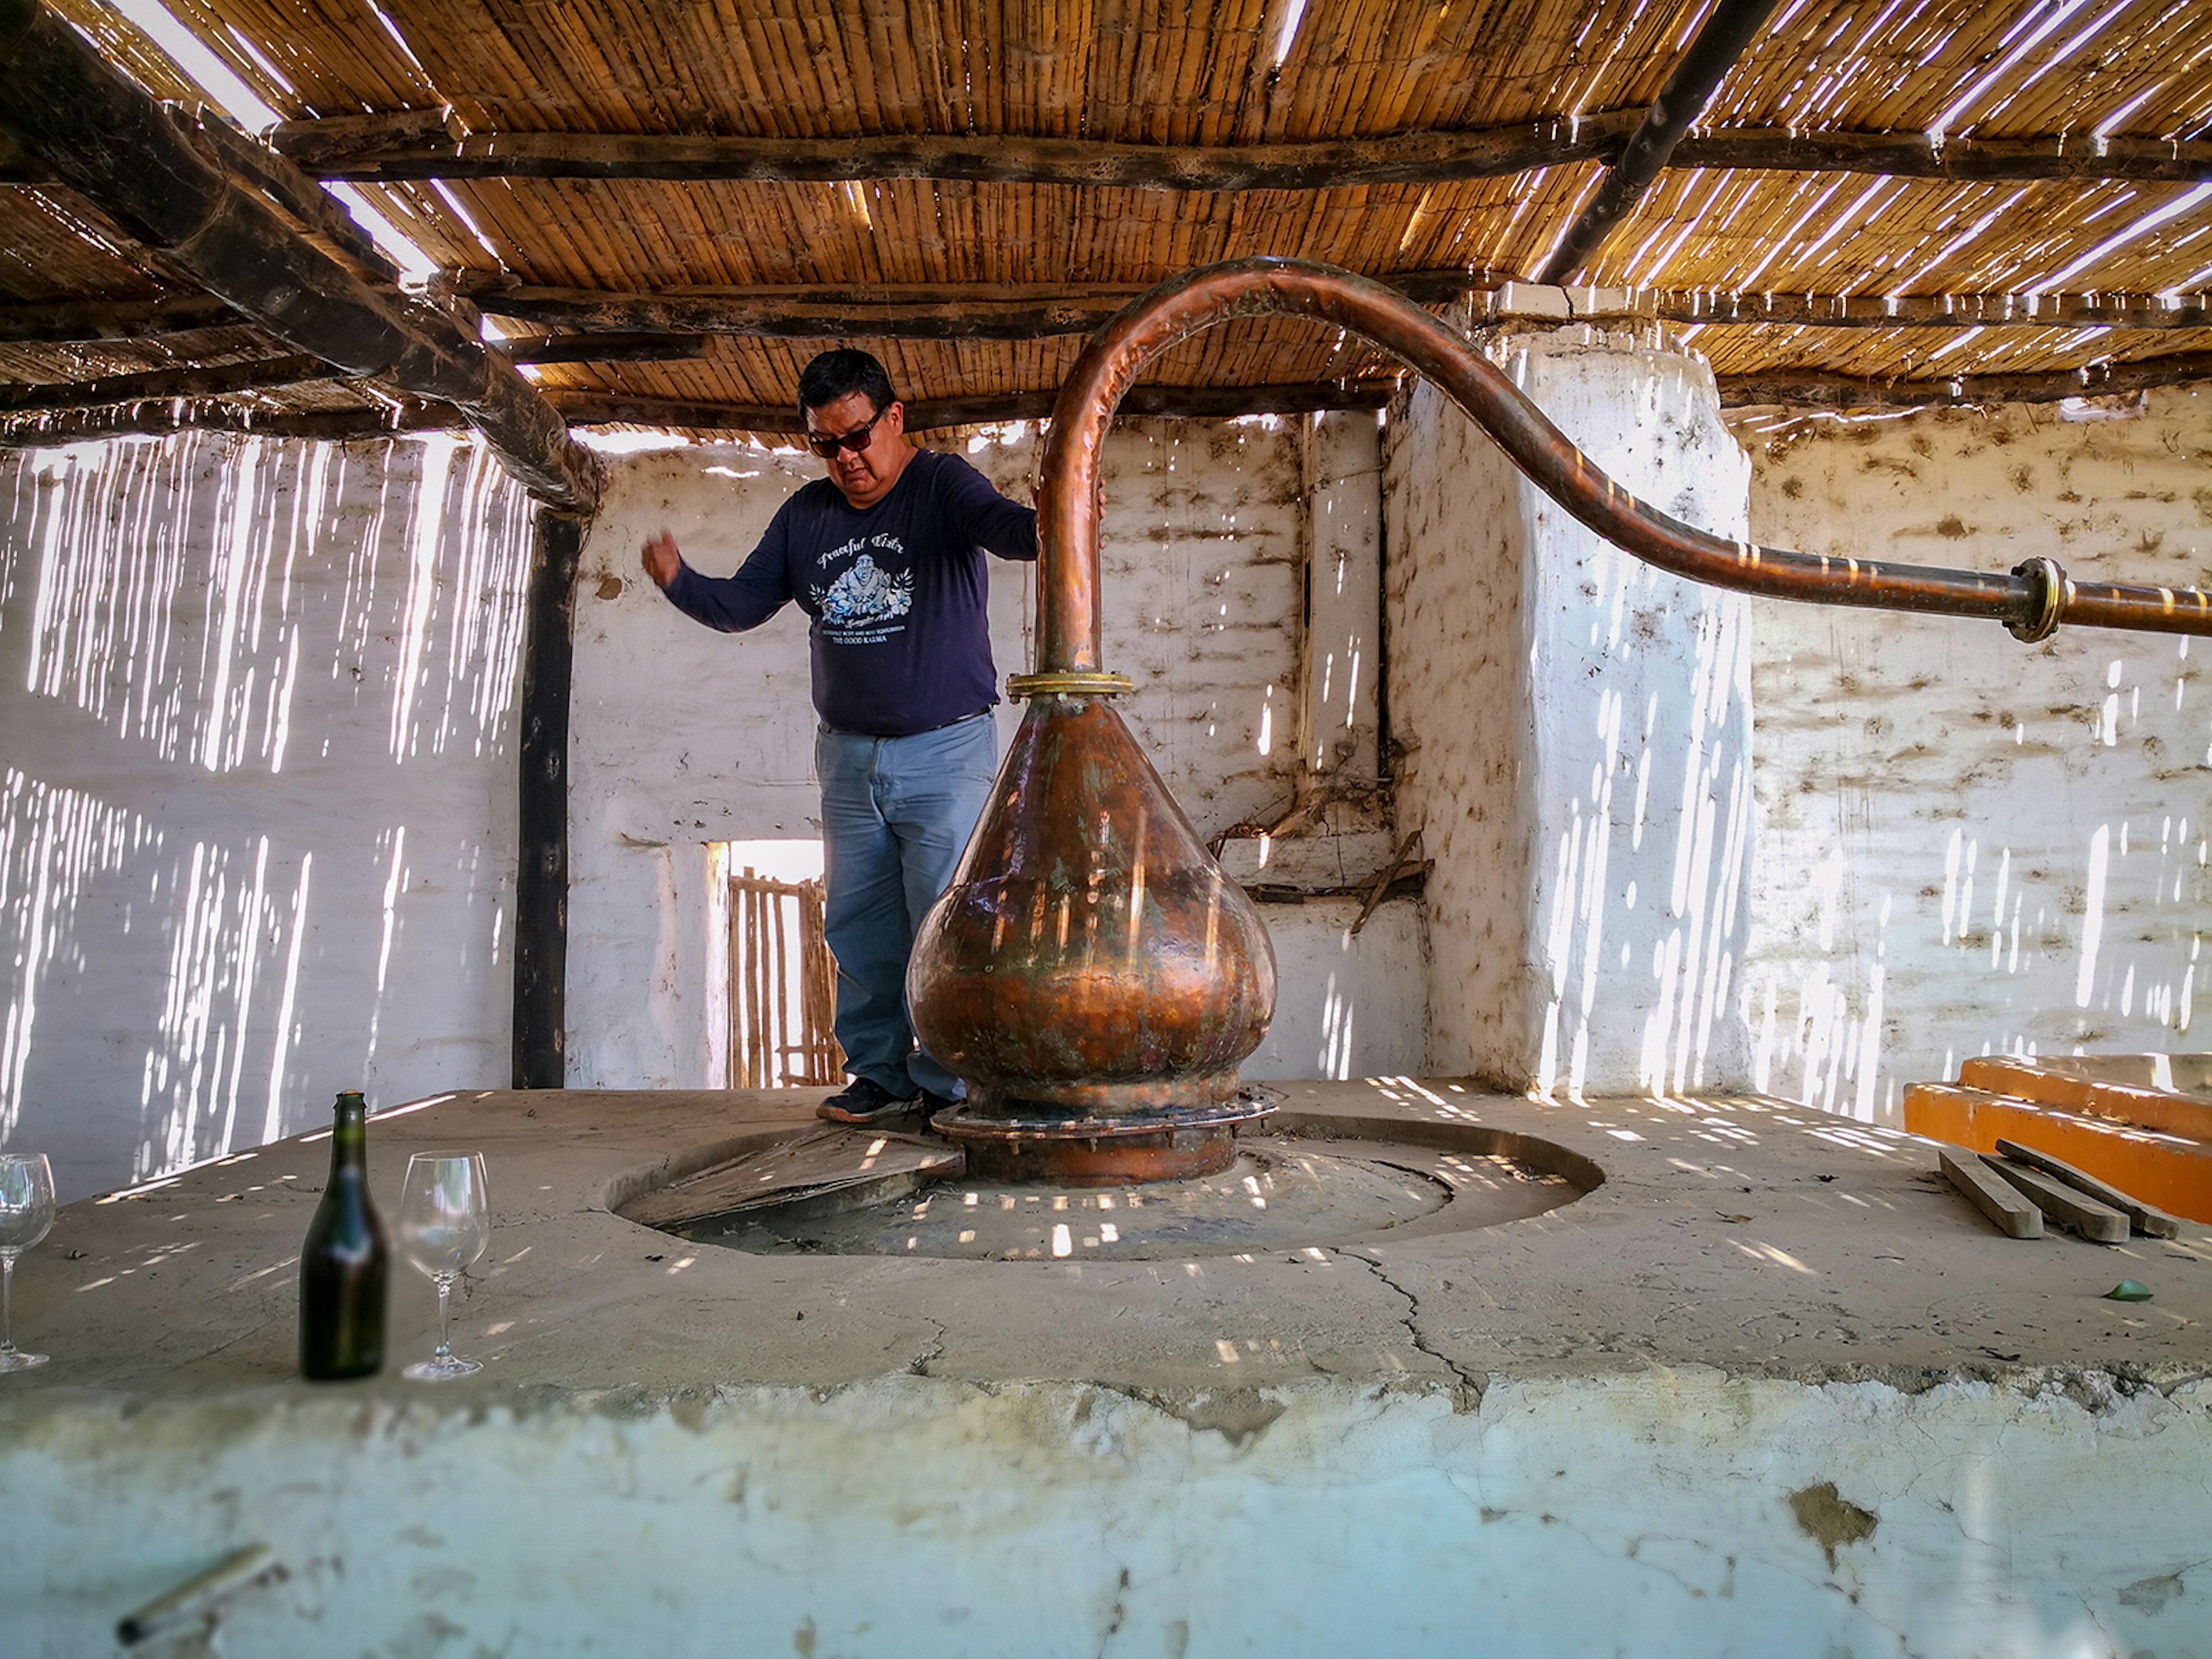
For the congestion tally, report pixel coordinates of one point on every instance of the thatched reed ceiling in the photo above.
(1236, 73)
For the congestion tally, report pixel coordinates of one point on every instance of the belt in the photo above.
(884, 737)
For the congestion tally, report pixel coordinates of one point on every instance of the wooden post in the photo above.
(541, 876)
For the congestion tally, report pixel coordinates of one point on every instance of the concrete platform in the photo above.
(1770, 1388)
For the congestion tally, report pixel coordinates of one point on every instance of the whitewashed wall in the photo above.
(256, 791)
(1577, 733)
(1972, 845)
(683, 738)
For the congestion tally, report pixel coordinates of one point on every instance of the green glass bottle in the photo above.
(345, 1264)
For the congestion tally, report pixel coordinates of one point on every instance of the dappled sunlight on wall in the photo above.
(258, 809)
(1578, 731)
(1975, 846)
(1669, 795)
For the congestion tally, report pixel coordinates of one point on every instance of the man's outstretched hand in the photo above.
(662, 561)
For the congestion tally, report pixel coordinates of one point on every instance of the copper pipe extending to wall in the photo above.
(2032, 601)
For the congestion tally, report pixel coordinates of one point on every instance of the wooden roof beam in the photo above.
(388, 149)
(361, 153)
(971, 312)
(608, 348)
(75, 322)
(974, 312)
(607, 317)
(1816, 390)
(220, 380)
(1720, 40)
(120, 149)
(987, 409)
(41, 431)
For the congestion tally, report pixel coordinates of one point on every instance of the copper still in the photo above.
(1091, 973)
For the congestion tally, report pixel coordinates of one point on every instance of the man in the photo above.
(886, 555)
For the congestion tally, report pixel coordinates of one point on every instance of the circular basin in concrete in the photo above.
(1307, 1182)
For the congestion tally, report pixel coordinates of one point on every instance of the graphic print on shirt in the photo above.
(863, 605)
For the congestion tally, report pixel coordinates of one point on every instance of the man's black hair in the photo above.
(839, 374)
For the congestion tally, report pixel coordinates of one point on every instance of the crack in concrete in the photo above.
(1467, 1395)
(920, 1364)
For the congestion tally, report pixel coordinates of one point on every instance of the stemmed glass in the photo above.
(445, 1224)
(27, 1215)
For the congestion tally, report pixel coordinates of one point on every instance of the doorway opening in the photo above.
(783, 979)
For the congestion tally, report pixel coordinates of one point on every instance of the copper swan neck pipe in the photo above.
(2031, 601)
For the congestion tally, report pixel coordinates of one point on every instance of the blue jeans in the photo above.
(897, 813)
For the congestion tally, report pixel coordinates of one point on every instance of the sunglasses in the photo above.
(852, 443)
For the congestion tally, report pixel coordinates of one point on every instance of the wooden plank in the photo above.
(735, 1027)
(2014, 1215)
(810, 1164)
(311, 144)
(912, 312)
(410, 147)
(1926, 155)
(2167, 1171)
(281, 182)
(782, 999)
(39, 431)
(2155, 1224)
(2098, 1223)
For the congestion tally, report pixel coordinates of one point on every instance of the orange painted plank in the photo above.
(2169, 1171)
(2150, 1109)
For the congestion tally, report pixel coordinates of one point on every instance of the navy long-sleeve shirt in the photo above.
(901, 638)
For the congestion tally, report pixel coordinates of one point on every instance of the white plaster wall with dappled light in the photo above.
(1578, 733)
(257, 802)
(1974, 846)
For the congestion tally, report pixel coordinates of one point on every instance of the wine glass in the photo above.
(445, 1223)
(27, 1215)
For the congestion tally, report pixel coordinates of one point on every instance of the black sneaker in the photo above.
(864, 1100)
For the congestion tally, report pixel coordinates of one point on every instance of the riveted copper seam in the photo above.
(1067, 576)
